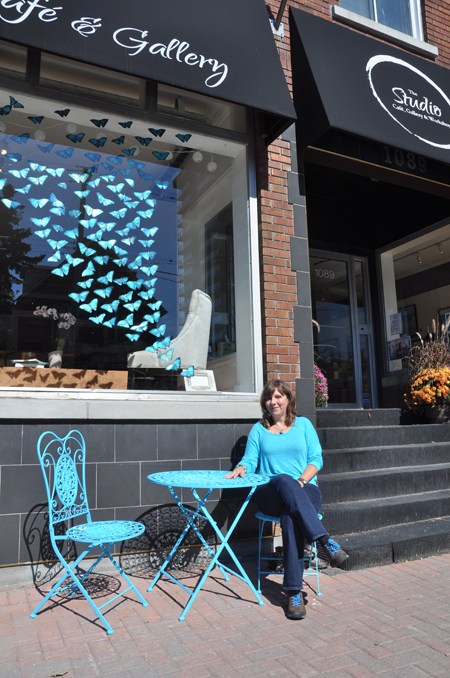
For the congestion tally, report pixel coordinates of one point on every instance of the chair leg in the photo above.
(314, 546)
(260, 533)
(127, 579)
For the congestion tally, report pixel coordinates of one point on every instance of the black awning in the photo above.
(222, 49)
(353, 83)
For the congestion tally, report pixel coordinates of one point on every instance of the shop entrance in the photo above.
(343, 342)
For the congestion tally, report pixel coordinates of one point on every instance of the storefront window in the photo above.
(119, 225)
(397, 14)
(416, 291)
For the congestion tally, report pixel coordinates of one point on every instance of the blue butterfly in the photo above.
(135, 284)
(36, 119)
(94, 183)
(92, 170)
(15, 157)
(64, 113)
(95, 157)
(73, 233)
(135, 223)
(115, 189)
(150, 284)
(36, 167)
(146, 295)
(62, 185)
(119, 214)
(88, 251)
(130, 182)
(120, 281)
(188, 373)
(133, 305)
(79, 178)
(121, 262)
(57, 228)
(90, 307)
(54, 200)
(74, 262)
(156, 132)
(167, 356)
(162, 184)
(46, 149)
(145, 176)
(135, 265)
(75, 137)
(175, 365)
(127, 322)
(55, 257)
(134, 163)
(123, 232)
(112, 307)
(91, 212)
(79, 297)
(145, 214)
(99, 123)
(104, 201)
(74, 213)
(65, 154)
(143, 196)
(82, 194)
(62, 271)
(126, 124)
(160, 156)
(119, 251)
(101, 260)
(150, 231)
(97, 320)
(183, 137)
(56, 172)
(104, 293)
(119, 140)
(20, 173)
(88, 223)
(149, 271)
(153, 318)
(162, 344)
(89, 270)
(98, 143)
(108, 167)
(22, 139)
(40, 222)
(105, 279)
(133, 337)
(141, 327)
(3, 182)
(38, 181)
(156, 306)
(43, 234)
(126, 297)
(10, 203)
(107, 226)
(95, 236)
(115, 159)
(86, 283)
(131, 205)
(57, 244)
(146, 243)
(144, 141)
(128, 241)
(109, 323)
(158, 332)
(38, 203)
(106, 244)
(125, 172)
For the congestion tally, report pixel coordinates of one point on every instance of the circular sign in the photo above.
(411, 98)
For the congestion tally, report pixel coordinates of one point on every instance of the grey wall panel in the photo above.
(136, 441)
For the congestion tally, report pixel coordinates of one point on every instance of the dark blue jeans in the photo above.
(297, 508)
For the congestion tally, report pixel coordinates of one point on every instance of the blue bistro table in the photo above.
(209, 481)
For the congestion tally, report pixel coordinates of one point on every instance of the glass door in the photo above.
(343, 343)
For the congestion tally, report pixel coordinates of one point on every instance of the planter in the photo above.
(437, 414)
(55, 359)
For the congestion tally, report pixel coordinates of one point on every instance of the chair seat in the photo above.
(105, 532)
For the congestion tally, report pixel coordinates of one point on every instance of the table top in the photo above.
(206, 479)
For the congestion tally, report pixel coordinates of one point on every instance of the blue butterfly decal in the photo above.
(20, 173)
(144, 195)
(105, 279)
(112, 307)
(162, 184)
(156, 132)
(74, 262)
(145, 214)
(156, 306)
(91, 212)
(127, 322)
(35, 166)
(115, 159)
(38, 181)
(144, 141)
(46, 149)
(105, 293)
(36, 119)
(126, 125)
(175, 365)
(135, 164)
(97, 320)
(94, 183)
(129, 151)
(115, 189)
(146, 243)
(62, 271)
(14, 104)
(92, 170)
(135, 223)
(59, 211)
(167, 356)
(57, 244)
(106, 244)
(128, 241)
(133, 337)
(101, 260)
(64, 113)
(55, 257)
(88, 251)
(158, 332)
(109, 323)
(79, 178)
(133, 305)
(144, 175)
(125, 172)
(188, 373)
(89, 270)
(56, 172)
(119, 214)
(161, 156)
(141, 327)
(95, 157)
(41, 202)
(121, 262)
(74, 213)
(79, 297)
(43, 234)
(149, 271)
(107, 226)
(72, 233)
(86, 283)
(104, 201)
(135, 284)
(62, 185)
(119, 251)
(126, 297)
(146, 295)
(65, 154)
(98, 143)
(75, 137)
(119, 140)
(130, 182)
(82, 194)
(183, 137)
(120, 281)
(99, 123)
(3, 182)
(123, 232)
(90, 307)
(22, 139)
(10, 203)
(15, 157)
(153, 318)
(40, 222)
(88, 223)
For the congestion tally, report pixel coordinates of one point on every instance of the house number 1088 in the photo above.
(395, 156)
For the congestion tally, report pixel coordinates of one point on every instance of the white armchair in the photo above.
(191, 344)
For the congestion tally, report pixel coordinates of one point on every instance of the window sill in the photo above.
(390, 34)
(88, 405)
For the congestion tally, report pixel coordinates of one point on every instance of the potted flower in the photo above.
(63, 321)
(320, 387)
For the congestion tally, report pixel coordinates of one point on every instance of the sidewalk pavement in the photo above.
(391, 621)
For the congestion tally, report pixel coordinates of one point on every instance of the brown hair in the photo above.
(267, 392)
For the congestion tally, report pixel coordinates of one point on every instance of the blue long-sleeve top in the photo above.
(271, 454)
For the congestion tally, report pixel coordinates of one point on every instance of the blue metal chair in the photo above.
(308, 571)
(63, 466)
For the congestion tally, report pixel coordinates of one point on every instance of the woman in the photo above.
(286, 448)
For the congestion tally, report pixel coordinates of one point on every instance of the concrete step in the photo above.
(397, 543)
(346, 460)
(389, 482)
(382, 436)
(371, 514)
(331, 418)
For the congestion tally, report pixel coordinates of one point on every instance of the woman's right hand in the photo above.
(238, 472)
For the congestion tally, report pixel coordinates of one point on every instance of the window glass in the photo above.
(137, 236)
(392, 13)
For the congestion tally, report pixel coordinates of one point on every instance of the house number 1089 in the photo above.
(324, 273)
(395, 156)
